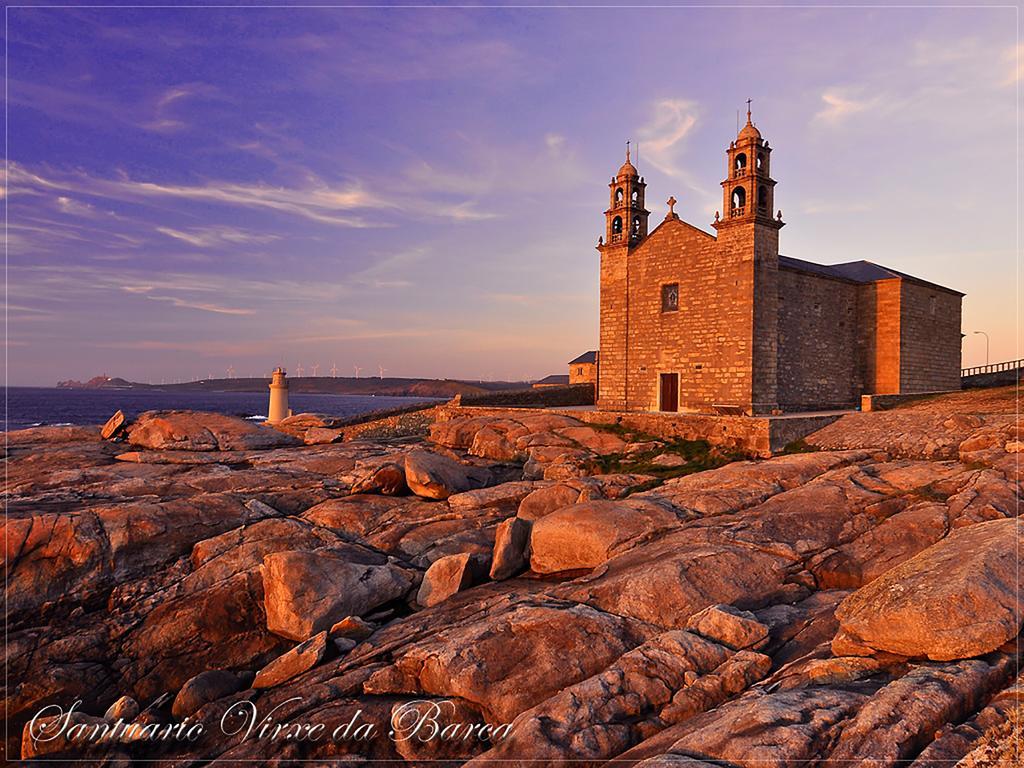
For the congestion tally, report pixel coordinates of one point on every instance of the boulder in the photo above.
(445, 576)
(510, 548)
(307, 592)
(299, 659)
(433, 476)
(352, 627)
(384, 477)
(955, 600)
(544, 501)
(197, 431)
(206, 687)
(125, 708)
(729, 626)
(501, 495)
(586, 535)
(114, 427)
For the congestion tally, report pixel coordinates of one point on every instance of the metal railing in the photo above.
(1009, 365)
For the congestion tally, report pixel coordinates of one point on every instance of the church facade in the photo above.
(696, 322)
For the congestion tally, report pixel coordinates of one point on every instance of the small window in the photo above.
(579, 371)
(618, 195)
(617, 225)
(636, 196)
(670, 297)
(931, 304)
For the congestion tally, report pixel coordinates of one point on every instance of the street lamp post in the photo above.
(986, 344)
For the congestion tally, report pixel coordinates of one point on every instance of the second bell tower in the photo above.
(626, 217)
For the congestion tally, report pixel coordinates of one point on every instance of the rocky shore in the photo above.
(517, 586)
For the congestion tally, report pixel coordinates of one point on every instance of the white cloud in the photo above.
(663, 138)
(556, 143)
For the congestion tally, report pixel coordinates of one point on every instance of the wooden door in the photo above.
(670, 392)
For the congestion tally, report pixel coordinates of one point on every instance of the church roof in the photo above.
(586, 357)
(856, 272)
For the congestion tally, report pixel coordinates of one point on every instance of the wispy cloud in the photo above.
(840, 104)
(316, 200)
(177, 301)
(207, 237)
(663, 137)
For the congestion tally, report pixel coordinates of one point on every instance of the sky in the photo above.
(420, 190)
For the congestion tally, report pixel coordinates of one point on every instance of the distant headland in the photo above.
(322, 385)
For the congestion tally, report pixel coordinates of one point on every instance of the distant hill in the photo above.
(97, 382)
(324, 385)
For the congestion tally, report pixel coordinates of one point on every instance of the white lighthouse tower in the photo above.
(278, 397)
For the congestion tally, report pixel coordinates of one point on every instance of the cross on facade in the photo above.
(671, 206)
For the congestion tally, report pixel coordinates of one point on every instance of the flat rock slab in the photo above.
(586, 535)
(955, 600)
(198, 431)
(299, 659)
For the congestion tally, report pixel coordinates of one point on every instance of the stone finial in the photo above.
(779, 217)
(716, 215)
(672, 205)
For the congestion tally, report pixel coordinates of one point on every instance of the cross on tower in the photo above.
(748, 109)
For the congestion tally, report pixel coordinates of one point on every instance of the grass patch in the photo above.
(798, 446)
(696, 456)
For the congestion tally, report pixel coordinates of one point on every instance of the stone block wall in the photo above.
(583, 373)
(819, 351)
(929, 339)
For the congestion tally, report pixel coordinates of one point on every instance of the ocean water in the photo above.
(41, 406)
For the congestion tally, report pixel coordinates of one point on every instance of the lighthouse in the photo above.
(278, 397)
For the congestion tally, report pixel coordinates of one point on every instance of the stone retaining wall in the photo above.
(756, 436)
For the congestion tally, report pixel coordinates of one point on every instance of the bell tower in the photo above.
(748, 192)
(748, 238)
(626, 217)
(625, 228)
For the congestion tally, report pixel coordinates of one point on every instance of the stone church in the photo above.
(696, 322)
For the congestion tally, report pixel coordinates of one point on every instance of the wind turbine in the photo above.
(382, 369)
(334, 371)
(357, 369)
(316, 367)
(231, 371)
(298, 370)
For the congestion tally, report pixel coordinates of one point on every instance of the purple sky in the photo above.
(422, 189)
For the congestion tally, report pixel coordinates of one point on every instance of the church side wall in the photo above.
(929, 339)
(707, 341)
(818, 343)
